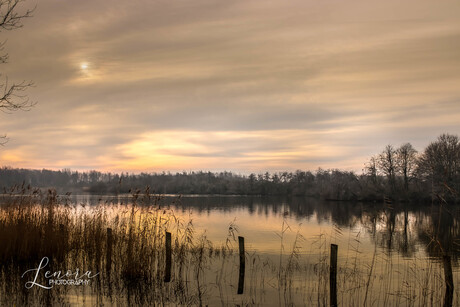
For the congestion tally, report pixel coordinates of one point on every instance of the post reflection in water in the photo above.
(408, 229)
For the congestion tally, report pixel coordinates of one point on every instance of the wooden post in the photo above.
(242, 265)
(449, 279)
(333, 275)
(168, 257)
(108, 255)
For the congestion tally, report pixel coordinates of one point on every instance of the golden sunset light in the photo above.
(230, 153)
(206, 80)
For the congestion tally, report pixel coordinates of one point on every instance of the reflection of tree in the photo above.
(405, 242)
(400, 227)
(440, 231)
(391, 228)
(403, 227)
(390, 221)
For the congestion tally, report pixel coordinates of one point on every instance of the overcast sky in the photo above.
(245, 86)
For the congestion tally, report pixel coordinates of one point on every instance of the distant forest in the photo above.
(396, 173)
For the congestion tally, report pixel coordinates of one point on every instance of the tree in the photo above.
(387, 164)
(440, 162)
(406, 162)
(370, 169)
(12, 95)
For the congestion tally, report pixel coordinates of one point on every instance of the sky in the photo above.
(244, 86)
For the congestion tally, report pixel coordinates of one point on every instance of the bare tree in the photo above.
(12, 95)
(387, 164)
(406, 161)
(440, 162)
(371, 169)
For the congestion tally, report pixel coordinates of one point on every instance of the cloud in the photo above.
(322, 83)
(254, 150)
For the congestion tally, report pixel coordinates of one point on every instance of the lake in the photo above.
(399, 229)
(388, 254)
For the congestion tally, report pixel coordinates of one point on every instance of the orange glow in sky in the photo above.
(239, 86)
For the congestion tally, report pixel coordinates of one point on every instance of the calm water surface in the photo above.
(389, 254)
(402, 230)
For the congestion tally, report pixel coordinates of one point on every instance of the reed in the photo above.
(34, 224)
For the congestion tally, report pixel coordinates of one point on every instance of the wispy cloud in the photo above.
(246, 86)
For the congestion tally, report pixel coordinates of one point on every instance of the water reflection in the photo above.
(131, 256)
(402, 227)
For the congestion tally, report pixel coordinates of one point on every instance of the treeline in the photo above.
(399, 173)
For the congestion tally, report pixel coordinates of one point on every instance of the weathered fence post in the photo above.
(168, 257)
(333, 275)
(449, 279)
(242, 265)
(108, 254)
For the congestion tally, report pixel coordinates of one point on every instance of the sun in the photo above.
(85, 71)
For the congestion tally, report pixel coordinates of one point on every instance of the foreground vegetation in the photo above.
(132, 263)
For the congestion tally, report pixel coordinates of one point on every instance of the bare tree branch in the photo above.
(10, 18)
(3, 140)
(13, 97)
(3, 57)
